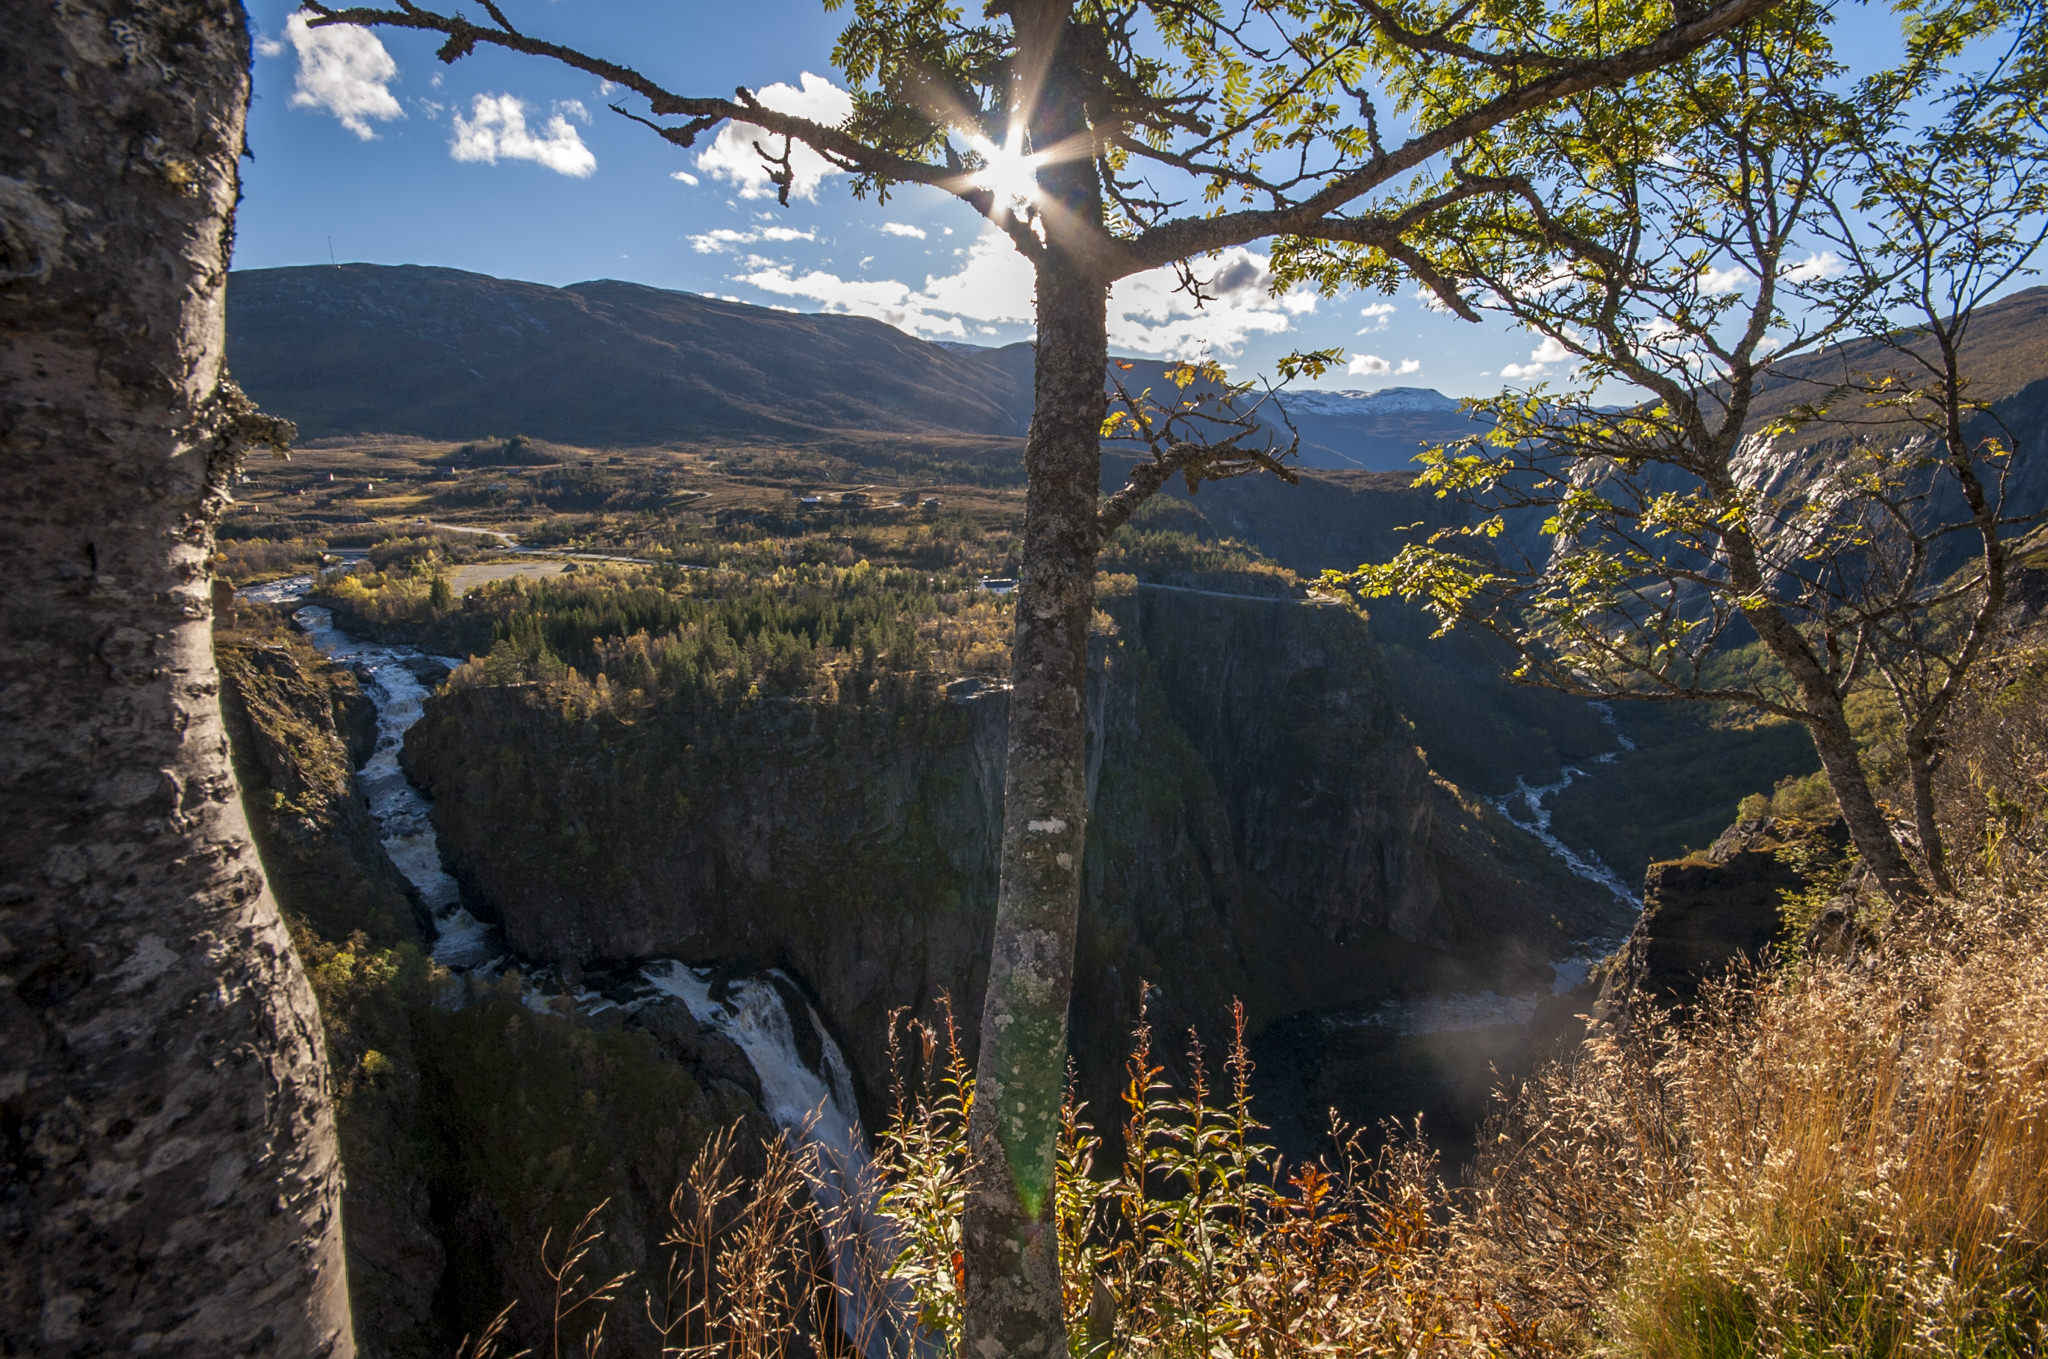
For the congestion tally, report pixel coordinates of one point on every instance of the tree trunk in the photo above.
(1920, 761)
(1827, 721)
(1008, 1237)
(169, 1181)
(1828, 724)
(1869, 830)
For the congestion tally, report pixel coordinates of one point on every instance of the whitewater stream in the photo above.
(815, 1108)
(1528, 808)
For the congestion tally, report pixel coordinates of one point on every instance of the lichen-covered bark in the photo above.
(168, 1175)
(1008, 1239)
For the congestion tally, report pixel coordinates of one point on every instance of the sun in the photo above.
(1007, 172)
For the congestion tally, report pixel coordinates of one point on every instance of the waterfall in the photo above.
(818, 1112)
(461, 941)
(1535, 798)
(815, 1109)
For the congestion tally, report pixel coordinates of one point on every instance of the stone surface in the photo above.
(1703, 914)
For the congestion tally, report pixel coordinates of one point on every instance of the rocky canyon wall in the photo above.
(1261, 827)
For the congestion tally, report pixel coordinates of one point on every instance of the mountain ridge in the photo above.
(444, 353)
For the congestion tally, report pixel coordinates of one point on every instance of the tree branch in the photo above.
(1196, 236)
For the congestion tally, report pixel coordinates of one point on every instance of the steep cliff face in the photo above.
(299, 727)
(1708, 912)
(1261, 827)
(1331, 808)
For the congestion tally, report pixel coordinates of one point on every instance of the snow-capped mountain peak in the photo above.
(1386, 401)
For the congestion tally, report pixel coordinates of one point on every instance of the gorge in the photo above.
(714, 792)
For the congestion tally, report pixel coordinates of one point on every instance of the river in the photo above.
(814, 1107)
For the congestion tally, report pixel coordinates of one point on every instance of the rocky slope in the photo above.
(1261, 827)
(1753, 890)
(448, 354)
(299, 727)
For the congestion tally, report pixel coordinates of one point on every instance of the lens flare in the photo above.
(1006, 171)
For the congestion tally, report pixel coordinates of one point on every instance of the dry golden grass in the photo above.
(1839, 1157)
(1844, 1156)
(1833, 1156)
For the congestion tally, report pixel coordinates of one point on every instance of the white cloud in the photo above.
(1372, 365)
(718, 240)
(1548, 352)
(993, 285)
(1148, 314)
(1542, 283)
(684, 176)
(1378, 313)
(1824, 265)
(1733, 279)
(883, 299)
(732, 156)
(915, 233)
(343, 70)
(496, 127)
(1430, 301)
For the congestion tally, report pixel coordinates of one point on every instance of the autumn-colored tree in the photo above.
(1686, 238)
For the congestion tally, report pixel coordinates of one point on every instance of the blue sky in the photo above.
(367, 146)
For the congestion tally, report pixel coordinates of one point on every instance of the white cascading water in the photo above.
(816, 1111)
(812, 1109)
(1534, 800)
(461, 941)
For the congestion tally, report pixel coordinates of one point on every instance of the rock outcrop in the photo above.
(471, 1131)
(1708, 912)
(299, 727)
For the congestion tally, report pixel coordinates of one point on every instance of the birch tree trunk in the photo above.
(1009, 1240)
(168, 1174)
